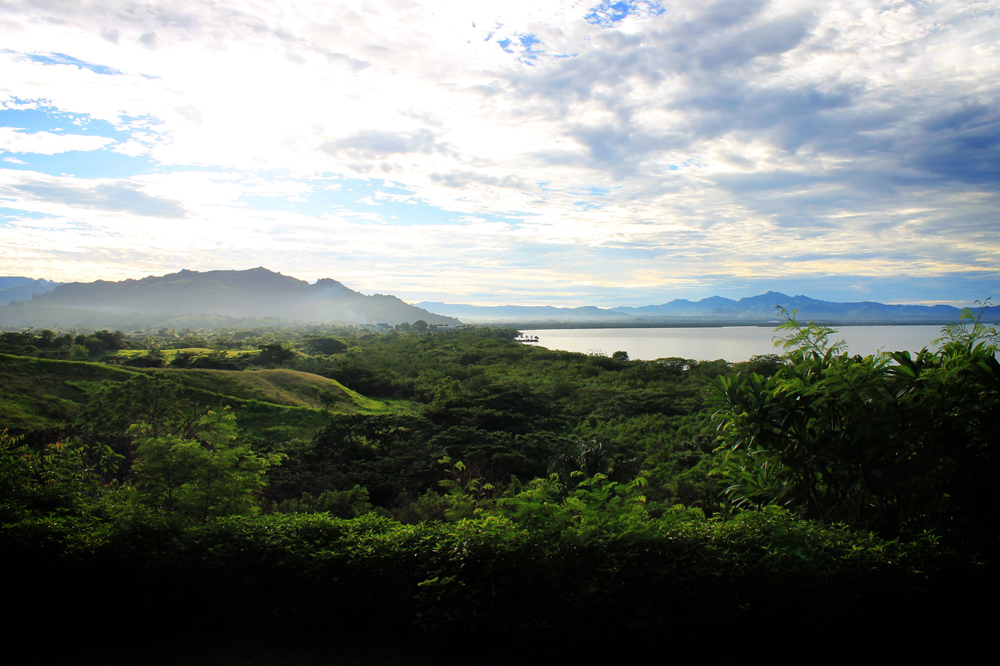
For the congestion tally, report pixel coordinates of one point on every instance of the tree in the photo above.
(154, 400)
(590, 460)
(46, 339)
(111, 340)
(274, 353)
(763, 364)
(887, 442)
(360, 435)
(325, 345)
(203, 476)
(327, 398)
(53, 477)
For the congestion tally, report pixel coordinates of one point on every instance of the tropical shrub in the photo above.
(886, 442)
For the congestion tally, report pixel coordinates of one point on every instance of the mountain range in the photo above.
(713, 310)
(22, 288)
(210, 299)
(259, 296)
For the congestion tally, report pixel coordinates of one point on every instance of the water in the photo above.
(732, 343)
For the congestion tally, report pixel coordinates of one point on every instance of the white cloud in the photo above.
(45, 143)
(68, 195)
(131, 148)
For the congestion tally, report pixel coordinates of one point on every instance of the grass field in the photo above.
(43, 393)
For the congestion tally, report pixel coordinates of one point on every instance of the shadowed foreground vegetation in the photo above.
(493, 499)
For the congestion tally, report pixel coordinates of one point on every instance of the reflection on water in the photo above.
(733, 343)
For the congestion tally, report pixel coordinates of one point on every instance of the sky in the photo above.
(561, 153)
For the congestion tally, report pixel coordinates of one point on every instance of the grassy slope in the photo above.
(170, 354)
(280, 387)
(40, 393)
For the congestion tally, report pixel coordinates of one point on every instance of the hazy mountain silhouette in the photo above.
(22, 288)
(681, 307)
(764, 307)
(491, 313)
(252, 297)
(713, 310)
(256, 293)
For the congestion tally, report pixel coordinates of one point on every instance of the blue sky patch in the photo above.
(608, 14)
(63, 59)
(523, 48)
(48, 119)
(8, 214)
(101, 163)
(83, 164)
(45, 118)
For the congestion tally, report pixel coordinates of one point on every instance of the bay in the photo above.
(732, 343)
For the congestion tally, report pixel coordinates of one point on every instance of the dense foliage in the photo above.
(888, 442)
(503, 490)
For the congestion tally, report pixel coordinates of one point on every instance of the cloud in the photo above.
(462, 179)
(621, 150)
(961, 144)
(116, 196)
(46, 143)
(645, 141)
(376, 144)
(131, 148)
(771, 38)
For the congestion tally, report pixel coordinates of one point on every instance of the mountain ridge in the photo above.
(254, 293)
(761, 308)
(237, 297)
(23, 288)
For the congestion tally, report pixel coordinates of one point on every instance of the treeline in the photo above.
(50, 344)
(278, 344)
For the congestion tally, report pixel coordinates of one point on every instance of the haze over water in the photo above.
(732, 343)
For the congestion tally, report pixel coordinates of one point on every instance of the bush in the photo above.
(885, 442)
(491, 579)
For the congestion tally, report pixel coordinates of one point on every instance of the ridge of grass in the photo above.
(44, 393)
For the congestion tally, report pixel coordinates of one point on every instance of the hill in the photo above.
(204, 298)
(44, 393)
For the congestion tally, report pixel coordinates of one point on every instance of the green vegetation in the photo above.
(487, 491)
(275, 405)
(889, 442)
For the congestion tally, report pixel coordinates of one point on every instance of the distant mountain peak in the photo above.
(22, 288)
(715, 310)
(254, 293)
